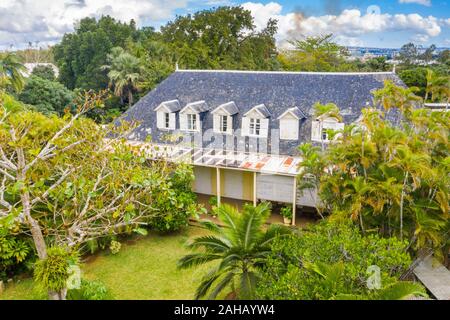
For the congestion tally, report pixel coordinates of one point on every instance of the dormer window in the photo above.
(192, 122)
(166, 115)
(321, 127)
(255, 126)
(190, 116)
(223, 118)
(289, 123)
(167, 120)
(255, 122)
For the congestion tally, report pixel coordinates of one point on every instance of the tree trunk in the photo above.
(130, 98)
(401, 205)
(57, 295)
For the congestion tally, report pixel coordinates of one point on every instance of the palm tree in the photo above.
(437, 86)
(323, 111)
(240, 247)
(124, 72)
(11, 71)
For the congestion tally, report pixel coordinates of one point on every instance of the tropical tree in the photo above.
(438, 87)
(124, 73)
(389, 172)
(67, 181)
(319, 53)
(240, 247)
(11, 70)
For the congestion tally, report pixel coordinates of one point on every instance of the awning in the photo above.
(258, 162)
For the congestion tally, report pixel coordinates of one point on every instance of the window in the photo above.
(192, 122)
(223, 123)
(320, 129)
(255, 126)
(167, 120)
(289, 127)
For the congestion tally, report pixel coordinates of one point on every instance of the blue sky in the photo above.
(389, 23)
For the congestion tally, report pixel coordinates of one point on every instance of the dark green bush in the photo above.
(89, 290)
(174, 201)
(327, 260)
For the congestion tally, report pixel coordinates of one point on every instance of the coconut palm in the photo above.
(240, 248)
(437, 86)
(11, 71)
(124, 73)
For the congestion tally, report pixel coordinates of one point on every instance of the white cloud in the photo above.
(347, 26)
(422, 2)
(48, 20)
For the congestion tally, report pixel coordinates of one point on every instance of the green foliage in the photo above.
(81, 54)
(124, 72)
(221, 38)
(11, 69)
(240, 248)
(388, 177)
(415, 77)
(115, 246)
(329, 259)
(286, 212)
(401, 290)
(52, 272)
(14, 253)
(174, 201)
(47, 96)
(318, 53)
(44, 71)
(90, 290)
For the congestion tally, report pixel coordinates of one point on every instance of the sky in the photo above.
(372, 23)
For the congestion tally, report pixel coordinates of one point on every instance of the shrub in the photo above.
(52, 273)
(327, 260)
(89, 290)
(286, 212)
(175, 201)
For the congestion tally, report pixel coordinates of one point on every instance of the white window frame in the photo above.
(192, 122)
(166, 120)
(254, 127)
(223, 123)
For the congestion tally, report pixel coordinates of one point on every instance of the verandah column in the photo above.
(254, 189)
(294, 201)
(218, 186)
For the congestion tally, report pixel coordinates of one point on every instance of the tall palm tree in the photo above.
(124, 72)
(240, 248)
(11, 71)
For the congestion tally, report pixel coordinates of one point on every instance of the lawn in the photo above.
(145, 268)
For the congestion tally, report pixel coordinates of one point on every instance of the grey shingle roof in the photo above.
(229, 107)
(278, 91)
(172, 105)
(197, 106)
(262, 109)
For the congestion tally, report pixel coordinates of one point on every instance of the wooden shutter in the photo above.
(264, 130)
(160, 120)
(245, 126)
(315, 131)
(216, 123)
(172, 121)
(289, 129)
(183, 121)
(230, 124)
(199, 122)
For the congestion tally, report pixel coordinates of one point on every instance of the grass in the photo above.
(145, 268)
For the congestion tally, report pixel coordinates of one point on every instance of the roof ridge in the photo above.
(285, 72)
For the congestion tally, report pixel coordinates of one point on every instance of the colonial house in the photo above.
(241, 129)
